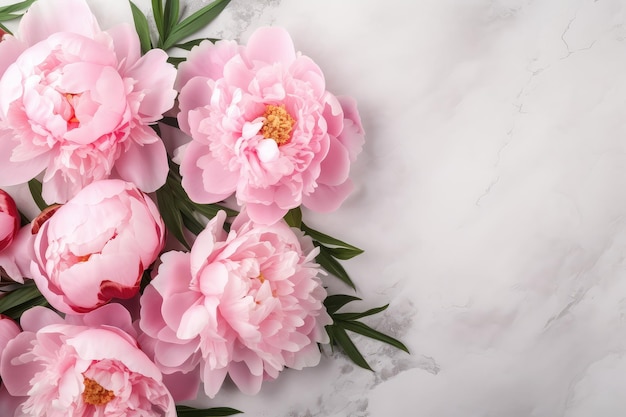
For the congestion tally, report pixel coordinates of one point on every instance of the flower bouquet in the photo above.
(158, 249)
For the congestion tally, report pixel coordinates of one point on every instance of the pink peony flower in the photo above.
(76, 102)
(9, 220)
(264, 127)
(245, 303)
(97, 246)
(86, 365)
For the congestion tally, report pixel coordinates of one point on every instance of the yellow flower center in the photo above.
(96, 394)
(278, 124)
(70, 99)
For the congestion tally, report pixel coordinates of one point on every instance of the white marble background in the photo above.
(491, 202)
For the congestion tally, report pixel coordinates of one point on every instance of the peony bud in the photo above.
(9, 220)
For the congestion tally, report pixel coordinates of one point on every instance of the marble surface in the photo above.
(490, 200)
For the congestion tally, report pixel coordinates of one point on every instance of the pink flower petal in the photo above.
(126, 45)
(271, 44)
(200, 174)
(16, 374)
(336, 165)
(265, 213)
(36, 318)
(10, 49)
(14, 173)
(327, 198)
(45, 18)
(146, 166)
(154, 79)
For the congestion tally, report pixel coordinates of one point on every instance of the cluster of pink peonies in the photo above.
(76, 105)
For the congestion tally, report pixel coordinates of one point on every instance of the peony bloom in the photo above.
(97, 246)
(82, 366)
(76, 102)
(9, 220)
(264, 127)
(247, 304)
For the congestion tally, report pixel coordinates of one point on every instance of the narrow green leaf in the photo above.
(187, 46)
(141, 26)
(194, 23)
(210, 210)
(342, 340)
(4, 28)
(35, 190)
(16, 312)
(331, 265)
(328, 240)
(336, 301)
(10, 16)
(16, 7)
(294, 217)
(157, 13)
(344, 253)
(356, 316)
(365, 330)
(171, 214)
(184, 411)
(172, 13)
(18, 296)
(174, 60)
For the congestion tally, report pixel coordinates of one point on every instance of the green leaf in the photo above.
(16, 7)
(10, 16)
(343, 253)
(294, 217)
(210, 210)
(331, 265)
(4, 28)
(157, 13)
(174, 60)
(35, 190)
(141, 26)
(184, 411)
(336, 301)
(172, 12)
(341, 339)
(328, 240)
(20, 299)
(365, 330)
(170, 213)
(187, 46)
(356, 316)
(194, 23)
